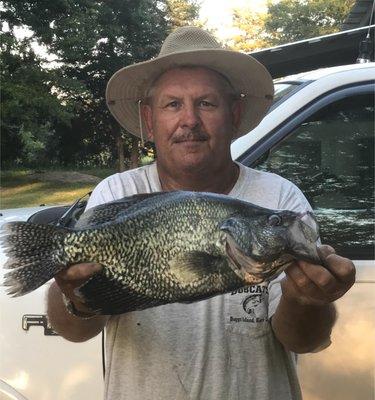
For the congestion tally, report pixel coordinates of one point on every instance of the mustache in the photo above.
(190, 136)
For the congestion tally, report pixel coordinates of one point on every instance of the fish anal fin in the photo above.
(104, 295)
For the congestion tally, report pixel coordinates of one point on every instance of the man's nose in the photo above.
(190, 117)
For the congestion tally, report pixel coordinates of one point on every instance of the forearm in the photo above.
(303, 328)
(67, 325)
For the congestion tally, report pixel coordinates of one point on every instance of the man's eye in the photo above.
(206, 104)
(173, 104)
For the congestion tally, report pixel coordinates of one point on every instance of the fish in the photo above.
(161, 248)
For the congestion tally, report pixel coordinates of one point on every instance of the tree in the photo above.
(182, 12)
(292, 20)
(251, 34)
(29, 109)
(92, 40)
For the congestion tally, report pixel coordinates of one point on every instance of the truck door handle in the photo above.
(37, 320)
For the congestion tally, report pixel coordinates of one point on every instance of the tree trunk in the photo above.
(120, 152)
(134, 155)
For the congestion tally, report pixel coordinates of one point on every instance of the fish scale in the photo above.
(160, 248)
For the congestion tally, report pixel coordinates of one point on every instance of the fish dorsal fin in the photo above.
(109, 212)
(195, 265)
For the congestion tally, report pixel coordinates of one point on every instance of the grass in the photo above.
(19, 188)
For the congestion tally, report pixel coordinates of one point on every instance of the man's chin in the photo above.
(192, 162)
(191, 150)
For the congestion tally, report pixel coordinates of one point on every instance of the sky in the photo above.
(218, 13)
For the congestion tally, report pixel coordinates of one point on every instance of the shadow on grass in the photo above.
(24, 188)
(24, 192)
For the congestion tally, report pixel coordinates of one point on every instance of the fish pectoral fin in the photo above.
(194, 265)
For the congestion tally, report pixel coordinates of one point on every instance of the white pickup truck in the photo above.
(319, 134)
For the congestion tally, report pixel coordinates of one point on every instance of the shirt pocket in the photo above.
(246, 311)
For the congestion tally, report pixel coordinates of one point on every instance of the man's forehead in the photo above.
(176, 78)
(188, 69)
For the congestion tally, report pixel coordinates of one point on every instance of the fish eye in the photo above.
(274, 220)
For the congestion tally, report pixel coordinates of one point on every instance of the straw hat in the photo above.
(191, 46)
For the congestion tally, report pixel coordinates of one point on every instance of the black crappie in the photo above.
(160, 248)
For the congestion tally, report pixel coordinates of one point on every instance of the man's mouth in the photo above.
(190, 140)
(191, 137)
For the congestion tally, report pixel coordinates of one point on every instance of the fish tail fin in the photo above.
(34, 254)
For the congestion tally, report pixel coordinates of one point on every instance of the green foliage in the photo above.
(292, 20)
(91, 40)
(182, 12)
(34, 146)
(251, 34)
(28, 108)
(287, 21)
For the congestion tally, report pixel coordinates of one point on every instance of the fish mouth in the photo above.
(245, 267)
(252, 271)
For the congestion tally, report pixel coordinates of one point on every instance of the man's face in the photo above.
(191, 119)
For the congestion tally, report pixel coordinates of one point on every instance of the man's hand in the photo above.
(310, 284)
(67, 325)
(73, 277)
(305, 316)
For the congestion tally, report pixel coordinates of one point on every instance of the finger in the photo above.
(325, 250)
(292, 291)
(321, 276)
(330, 280)
(79, 272)
(342, 268)
(305, 285)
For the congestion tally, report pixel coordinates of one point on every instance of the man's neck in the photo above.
(200, 181)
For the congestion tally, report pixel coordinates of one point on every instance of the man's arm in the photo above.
(70, 327)
(305, 315)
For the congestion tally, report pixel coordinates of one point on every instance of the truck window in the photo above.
(284, 88)
(330, 157)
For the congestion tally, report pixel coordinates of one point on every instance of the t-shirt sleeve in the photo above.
(291, 198)
(100, 195)
(140, 180)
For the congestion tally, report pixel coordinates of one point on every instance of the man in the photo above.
(195, 98)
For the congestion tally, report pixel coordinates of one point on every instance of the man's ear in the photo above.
(237, 110)
(147, 118)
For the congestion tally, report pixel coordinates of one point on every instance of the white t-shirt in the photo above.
(222, 348)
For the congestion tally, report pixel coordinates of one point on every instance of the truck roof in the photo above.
(321, 72)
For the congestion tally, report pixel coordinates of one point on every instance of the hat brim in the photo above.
(247, 76)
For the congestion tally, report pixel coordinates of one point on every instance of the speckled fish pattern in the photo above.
(155, 249)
